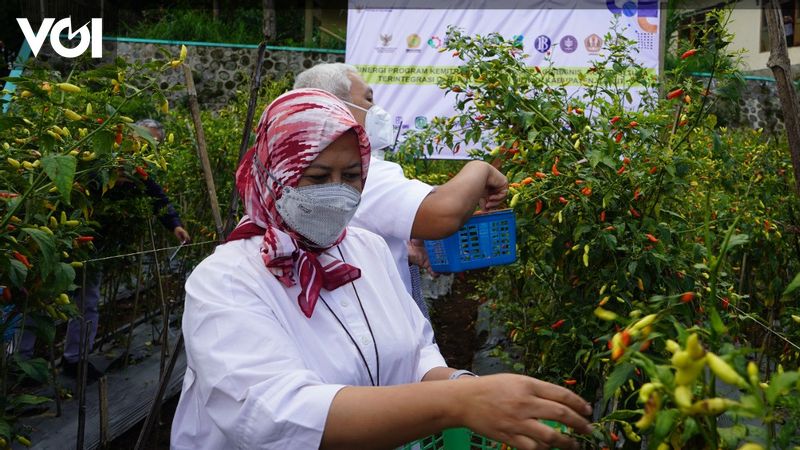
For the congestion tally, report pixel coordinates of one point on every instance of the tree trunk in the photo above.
(269, 31)
(215, 9)
(781, 69)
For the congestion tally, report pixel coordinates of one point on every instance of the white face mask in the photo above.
(379, 129)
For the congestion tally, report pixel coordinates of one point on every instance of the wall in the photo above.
(745, 24)
(219, 71)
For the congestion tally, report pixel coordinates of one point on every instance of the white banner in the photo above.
(396, 49)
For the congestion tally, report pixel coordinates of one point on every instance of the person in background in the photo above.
(403, 211)
(299, 332)
(125, 188)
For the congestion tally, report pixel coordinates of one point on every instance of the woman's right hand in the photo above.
(507, 408)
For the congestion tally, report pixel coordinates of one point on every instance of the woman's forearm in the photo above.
(387, 417)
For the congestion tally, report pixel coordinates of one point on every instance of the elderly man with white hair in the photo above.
(400, 210)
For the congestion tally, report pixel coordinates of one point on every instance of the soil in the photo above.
(452, 316)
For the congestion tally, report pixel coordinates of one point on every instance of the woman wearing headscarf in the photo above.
(299, 331)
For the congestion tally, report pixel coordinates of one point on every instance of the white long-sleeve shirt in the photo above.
(388, 207)
(261, 374)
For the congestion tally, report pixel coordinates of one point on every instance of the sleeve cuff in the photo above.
(429, 358)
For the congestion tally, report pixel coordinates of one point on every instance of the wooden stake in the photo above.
(781, 69)
(102, 387)
(201, 150)
(255, 85)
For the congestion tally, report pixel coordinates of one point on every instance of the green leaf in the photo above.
(103, 142)
(28, 400)
(619, 376)
(47, 249)
(61, 170)
(5, 429)
(731, 436)
(779, 383)
(35, 368)
(63, 276)
(18, 273)
(792, 286)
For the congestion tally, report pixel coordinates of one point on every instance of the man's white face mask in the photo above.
(378, 125)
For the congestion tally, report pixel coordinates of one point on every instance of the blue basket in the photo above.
(488, 239)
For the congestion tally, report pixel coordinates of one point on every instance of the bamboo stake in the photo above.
(164, 338)
(781, 69)
(82, 363)
(102, 387)
(201, 150)
(155, 407)
(54, 375)
(126, 355)
(255, 85)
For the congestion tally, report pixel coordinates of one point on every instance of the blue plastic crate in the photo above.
(488, 239)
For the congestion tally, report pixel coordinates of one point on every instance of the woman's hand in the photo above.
(418, 255)
(508, 407)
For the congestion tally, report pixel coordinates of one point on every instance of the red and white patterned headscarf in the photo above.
(292, 132)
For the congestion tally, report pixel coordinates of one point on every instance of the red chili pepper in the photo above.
(540, 175)
(686, 297)
(621, 170)
(645, 345)
(683, 123)
(688, 53)
(602, 216)
(633, 124)
(563, 200)
(653, 170)
(674, 94)
(615, 119)
(118, 138)
(618, 137)
(587, 191)
(480, 117)
(635, 213)
(8, 195)
(99, 120)
(21, 258)
(626, 160)
(636, 194)
(538, 70)
(539, 206)
(579, 182)
(554, 169)
(557, 324)
(6, 294)
(609, 228)
(84, 239)
(651, 238)
(142, 173)
(456, 53)
(726, 303)
(614, 436)
(570, 381)
(626, 338)
(767, 225)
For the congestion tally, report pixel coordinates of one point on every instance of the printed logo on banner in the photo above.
(645, 41)
(568, 44)
(420, 122)
(93, 36)
(518, 40)
(643, 9)
(542, 43)
(385, 39)
(593, 43)
(434, 42)
(413, 41)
